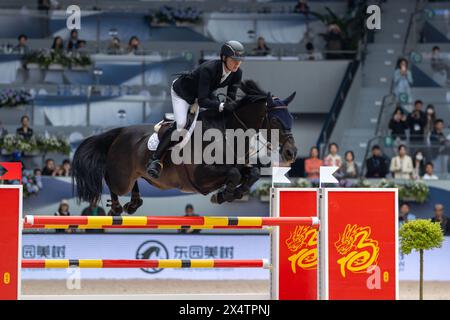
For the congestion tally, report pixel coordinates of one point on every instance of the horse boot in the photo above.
(155, 166)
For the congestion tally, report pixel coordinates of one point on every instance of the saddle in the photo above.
(169, 119)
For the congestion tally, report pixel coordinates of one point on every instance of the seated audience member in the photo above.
(401, 165)
(93, 210)
(430, 118)
(405, 214)
(21, 47)
(50, 168)
(25, 131)
(63, 210)
(313, 164)
(438, 64)
(416, 123)
(261, 49)
(377, 166)
(418, 164)
(441, 218)
(114, 46)
(398, 125)
(334, 42)
(437, 136)
(58, 45)
(65, 169)
(333, 158)
(133, 45)
(189, 212)
(311, 54)
(349, 169)
(429, 175)
(72, 43)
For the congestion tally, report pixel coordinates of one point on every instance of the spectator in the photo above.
(418, 164)
(429, 175)
(403, 80)
(430, 118)
(313, 164)
(21, 47)
(114, 46)
(189, 212)
(334, 41)
(349, 169)
(416, 123)
(401, 165)
(72, 43)
(437, 136)
(63, 210)
(377, 166)
(133, 45)
(37, 172)
(398, 125)
(49, 169)
(333, 158)
(58, 45)
(301, 7)
(441, 218)
(438, 64)
(93, 210)
(65, 169)
(25, 131)
(311, 54)
(38, 176)
(81, 47)
(3, 131)
(261, 49)
(405, 214)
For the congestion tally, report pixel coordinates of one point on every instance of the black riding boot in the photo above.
(155, 165)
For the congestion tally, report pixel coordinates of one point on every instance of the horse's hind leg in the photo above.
(135, 202)
(116, 207)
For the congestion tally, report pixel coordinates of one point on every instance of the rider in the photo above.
(200, 84)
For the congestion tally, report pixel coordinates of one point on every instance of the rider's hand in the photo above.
(229, 106)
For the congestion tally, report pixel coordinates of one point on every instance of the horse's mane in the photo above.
(253, 93)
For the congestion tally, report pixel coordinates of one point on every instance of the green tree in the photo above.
(420, 235)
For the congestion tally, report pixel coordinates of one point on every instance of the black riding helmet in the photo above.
(232, 49)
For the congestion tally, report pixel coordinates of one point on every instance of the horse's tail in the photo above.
(89, 165)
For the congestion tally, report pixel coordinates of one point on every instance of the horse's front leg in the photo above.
(249, 176)
(232, 181)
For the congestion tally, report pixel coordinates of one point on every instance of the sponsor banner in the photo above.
(146, 246)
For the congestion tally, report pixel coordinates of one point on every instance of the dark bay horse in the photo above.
(119, 157)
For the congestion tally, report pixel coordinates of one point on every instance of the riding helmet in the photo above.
(233, 49)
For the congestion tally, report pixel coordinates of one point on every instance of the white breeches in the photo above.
(180, 109)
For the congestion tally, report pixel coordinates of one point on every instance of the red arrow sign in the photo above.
(13, 171)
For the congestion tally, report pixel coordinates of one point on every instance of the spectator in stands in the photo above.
(301, 7)
(72, 43)
(418, 164)
(437, 136)
(405, 214)
(311, 54)
(3, 131)
(441, 218)
(377, 166)
(50, 168)
(38, 177)
(189, 212)
(402, 165)
(58, 45)
(81, 47)
(21, 47)
(349, 169)
(63, 210)
(334, 41)
(438, 64)
(93, 210)
(429, 175)
(416, 123)
(430, 116)
(114, 46)
(403, 80)
(398, 125)
(333, 158)
(261, 48)
(313, 164)
(133, 45)
(25, 130)
(65, 169)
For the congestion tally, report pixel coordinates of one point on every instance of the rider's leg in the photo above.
(180, 110)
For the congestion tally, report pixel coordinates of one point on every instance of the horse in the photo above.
(119, 156)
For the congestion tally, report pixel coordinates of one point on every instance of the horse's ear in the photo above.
(269, 99)
(289, 99)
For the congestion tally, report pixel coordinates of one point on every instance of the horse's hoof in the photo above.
(132, 206)
(217, 198)
(214, 198)
(117, 211)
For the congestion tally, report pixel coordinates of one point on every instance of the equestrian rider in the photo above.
(200, 84)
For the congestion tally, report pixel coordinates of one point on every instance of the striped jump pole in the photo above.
(169, 227)
(165, 222)
(144, 263)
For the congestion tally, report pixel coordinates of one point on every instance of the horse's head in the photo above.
(279, 118)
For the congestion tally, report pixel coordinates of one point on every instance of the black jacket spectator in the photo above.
(416, 123)
(398, 129)
(445, 224)
(377, 167)
(26, 134)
